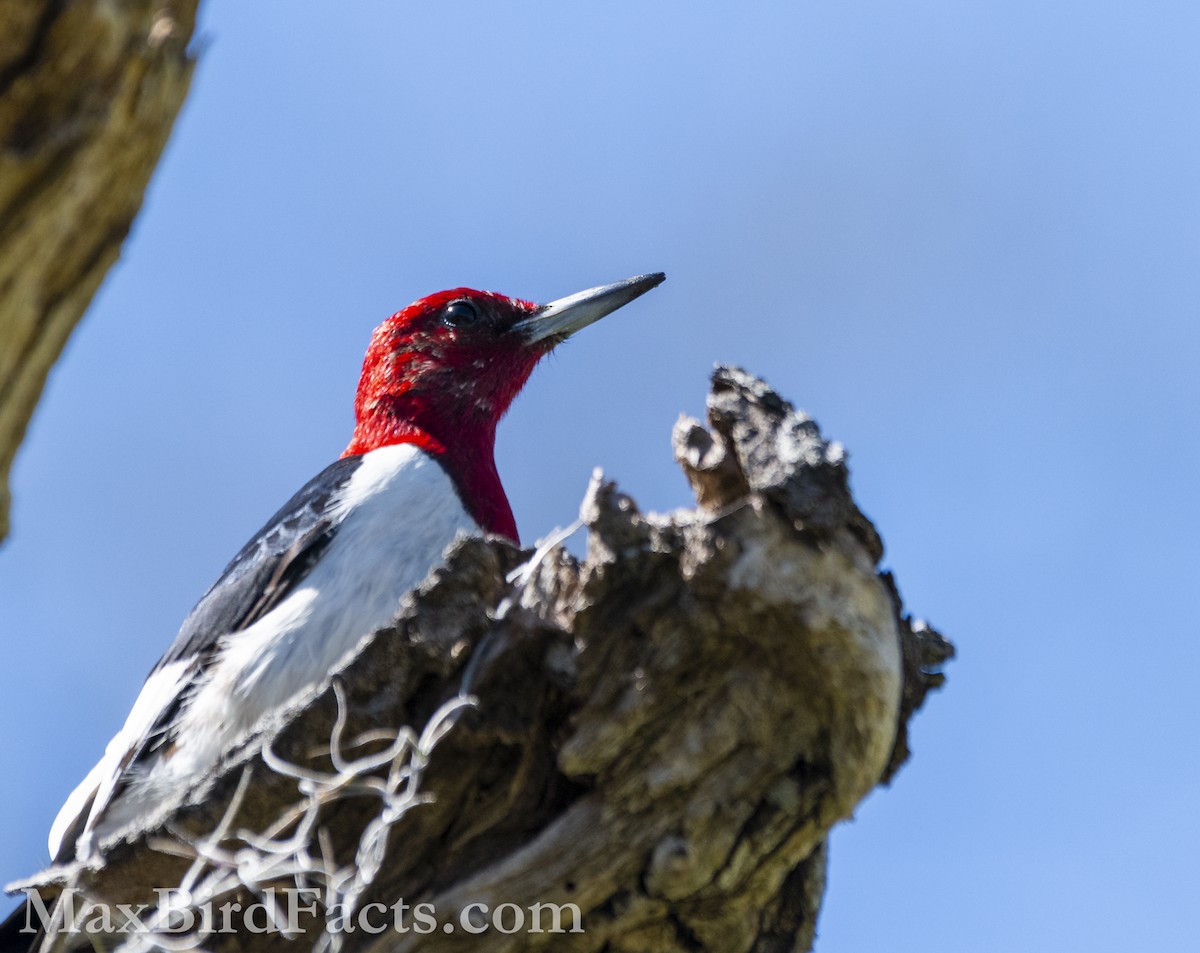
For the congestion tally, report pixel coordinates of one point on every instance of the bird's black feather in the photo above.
(268, 567)
(12, 939)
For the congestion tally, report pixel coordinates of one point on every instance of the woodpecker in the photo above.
(332, 566)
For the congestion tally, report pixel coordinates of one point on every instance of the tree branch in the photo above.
(89, 91)
(662, 733)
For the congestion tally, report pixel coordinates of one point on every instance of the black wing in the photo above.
(268, 567)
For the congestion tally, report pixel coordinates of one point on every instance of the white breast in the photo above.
(401, 512)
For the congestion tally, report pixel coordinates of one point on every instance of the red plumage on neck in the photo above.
(467, 453)
(445, 389)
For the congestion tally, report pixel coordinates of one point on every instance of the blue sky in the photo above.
(965, 237)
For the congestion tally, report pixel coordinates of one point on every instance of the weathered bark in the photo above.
(89, 90)
(665, 731)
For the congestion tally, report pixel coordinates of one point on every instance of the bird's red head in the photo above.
(442, 372)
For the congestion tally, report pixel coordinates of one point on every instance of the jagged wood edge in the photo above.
(666, 730)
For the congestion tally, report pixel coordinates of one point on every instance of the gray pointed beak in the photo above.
(559, 319)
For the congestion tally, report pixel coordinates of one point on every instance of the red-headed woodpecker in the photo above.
(334, 563)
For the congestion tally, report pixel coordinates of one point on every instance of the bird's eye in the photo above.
(460, 314)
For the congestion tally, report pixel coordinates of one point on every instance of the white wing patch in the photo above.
(157, 695)
(400, 511)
